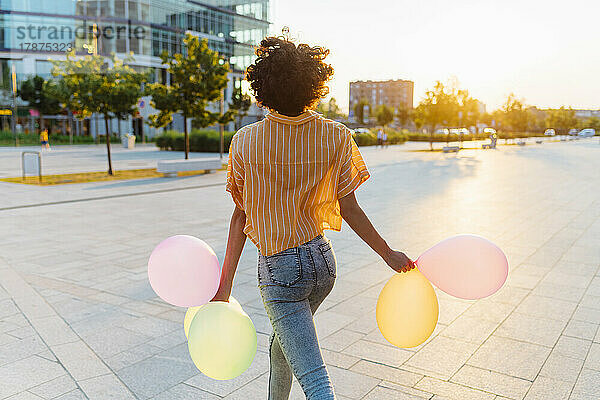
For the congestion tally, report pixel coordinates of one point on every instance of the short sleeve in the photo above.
(353, 171)
(235, 174)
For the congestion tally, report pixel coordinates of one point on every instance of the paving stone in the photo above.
(442, 356)
(587, 386)
(545, 307)
(80, 361)
(351, 384)
(587, 314)
(341, 360)
(105, 387)
(27, 373)
(385, 354)
(470, 329)
(529, 328)
(186, 392)
(592, 361)
(493, 382)
(391, 374)
(561, 367)
(339, 340)
(544, 388)
(452, 390)
(115, 340)
(383, 393)
(24, 396)
(73, 395)
(581, 329)
(260, 366)
(158, 373)
(511, 357)
(54, 388)
(572, 347)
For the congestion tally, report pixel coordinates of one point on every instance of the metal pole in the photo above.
(14, 116)
(221, 126)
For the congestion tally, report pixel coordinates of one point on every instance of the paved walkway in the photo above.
(78, 319)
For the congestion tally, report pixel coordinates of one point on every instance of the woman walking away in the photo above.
(291, 176)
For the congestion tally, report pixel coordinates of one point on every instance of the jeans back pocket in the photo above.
(329, 257)
(284, 267)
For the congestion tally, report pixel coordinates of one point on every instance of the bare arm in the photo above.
(235, 244)
(354, 215)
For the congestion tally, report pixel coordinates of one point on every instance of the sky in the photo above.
(545, 52)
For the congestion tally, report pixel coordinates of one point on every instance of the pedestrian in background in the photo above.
(380, 137)
(44, 139)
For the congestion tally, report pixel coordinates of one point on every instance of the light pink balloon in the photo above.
(184, 271)
(465, 266)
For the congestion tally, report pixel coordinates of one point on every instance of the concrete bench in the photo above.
(450, 149)
(171, 167)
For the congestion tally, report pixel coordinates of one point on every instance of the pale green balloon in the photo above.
(189, 314)
(222, 340)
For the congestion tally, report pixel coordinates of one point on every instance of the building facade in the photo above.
(32, 32)
(397, 94)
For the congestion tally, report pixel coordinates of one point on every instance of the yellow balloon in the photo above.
(407, 309)
(222, 340)
(189, 314)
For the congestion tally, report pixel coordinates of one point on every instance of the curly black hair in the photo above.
(287, 78)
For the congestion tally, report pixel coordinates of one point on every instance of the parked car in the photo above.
(550, 132)
(587, 132)
(362, 130)
(489, 131)
(442, 131)
(573, 132)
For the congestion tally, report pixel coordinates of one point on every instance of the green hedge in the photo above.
(206, 141)
(370, 139)
(7, 138)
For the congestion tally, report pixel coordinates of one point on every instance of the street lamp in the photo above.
(14, 92)
(221, 126)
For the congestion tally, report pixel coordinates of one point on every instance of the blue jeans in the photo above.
(293, 283)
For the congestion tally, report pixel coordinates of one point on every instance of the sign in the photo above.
(5, 112)
(34, 113)
(141, 103)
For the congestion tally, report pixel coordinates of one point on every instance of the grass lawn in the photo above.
(84, 177)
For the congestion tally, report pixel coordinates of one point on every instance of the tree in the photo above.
(197, 79)
(439, 107)
(561, 119)
(515, 116)
(240, 104)
(419, 117)
(403, 114)
(591, 122)
(469, 114)
(359, 110)
(331, 109)
(384, 114)
(123, 89)
(89, 85)
(41, 95)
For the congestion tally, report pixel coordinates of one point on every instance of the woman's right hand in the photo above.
(399, 262)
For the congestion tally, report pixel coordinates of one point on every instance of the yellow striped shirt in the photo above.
(287, 174)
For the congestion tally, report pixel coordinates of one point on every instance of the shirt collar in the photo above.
(297, 120)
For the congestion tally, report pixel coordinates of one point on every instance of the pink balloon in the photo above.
(184, 271)
(465, 266)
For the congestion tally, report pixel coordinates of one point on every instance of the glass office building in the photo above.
(34, 31)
